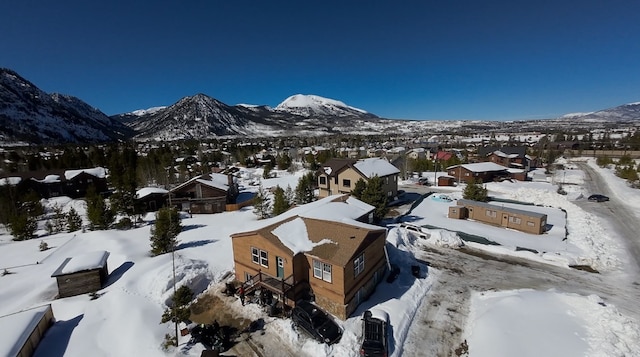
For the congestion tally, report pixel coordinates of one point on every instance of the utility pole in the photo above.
(175, 308)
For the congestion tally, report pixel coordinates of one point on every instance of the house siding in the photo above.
(529, 223)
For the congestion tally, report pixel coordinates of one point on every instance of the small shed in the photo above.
(446, 181)
(23, 331)
(82, 274)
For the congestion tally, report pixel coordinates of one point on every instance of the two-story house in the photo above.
(208, 193)
(317, 251)
(338, 176)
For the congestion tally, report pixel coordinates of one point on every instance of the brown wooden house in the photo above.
(82, 274)
(338, 176)
(208, 193)
(24, 330)
(521, 220)
(337, 262)
(54, 183)
(478, 172)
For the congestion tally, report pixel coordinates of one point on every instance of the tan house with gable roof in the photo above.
(338, 176)
(321, 252)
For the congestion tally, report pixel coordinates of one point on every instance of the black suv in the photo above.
(598, 198)
(374, 334)
(315, 322)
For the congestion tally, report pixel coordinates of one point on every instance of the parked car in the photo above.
(598, 198)
(374, 334)
(315, 322)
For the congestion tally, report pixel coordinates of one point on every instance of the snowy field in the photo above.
(124, 320)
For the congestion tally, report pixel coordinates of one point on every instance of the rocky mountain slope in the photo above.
(29, 115)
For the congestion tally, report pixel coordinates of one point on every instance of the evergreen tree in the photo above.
(358, 188)
(283, 161)
(261, 204)
(475, 191)
(304, 190)
(180, 310)
(59, 220)
(280, 204)
(22, 226)
(99, 215)
(374, 195)
(289, 196)
(164, 232)
(74, 221)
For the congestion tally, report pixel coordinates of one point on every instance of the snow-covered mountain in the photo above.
(28, 114)
(198, 116)
(314, 106)
(201, 116)
(625, 112)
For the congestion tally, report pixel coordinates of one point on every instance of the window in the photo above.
(466, 174)
(515, 220)
(346, 183)
(247, 276)
(358, 265)
(260, 256)
(490, 213)
(321, 270)
(530, 224)
(323, 180)
(264, 259)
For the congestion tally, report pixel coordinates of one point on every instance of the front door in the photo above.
(280, 267)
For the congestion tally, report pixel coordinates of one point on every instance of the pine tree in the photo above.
(99, 215)
(22, 226)
(358, 188)
(261, 203)
(59, 219)
(280, 204)
(164, 232)
(474, 191)
(304, 190)
(74, 221)
(289, 196)
(374, 195)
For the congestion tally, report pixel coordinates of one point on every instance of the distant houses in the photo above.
(71, 183)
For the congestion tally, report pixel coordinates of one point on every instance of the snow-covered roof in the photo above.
(375, 167)
(99, 172)
(293, 234)
(49, 179)
(502, 154)
(215, 180)
(464, 202)
(16, 329)
(146, 191)
(334, 208)
(10, 181)
(88, 261)
(481, 167)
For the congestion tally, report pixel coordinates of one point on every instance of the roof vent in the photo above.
(353, 237)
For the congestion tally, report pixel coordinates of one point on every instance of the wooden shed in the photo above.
(457, 212)
(23, 331)
(82, 274)
(446, 181)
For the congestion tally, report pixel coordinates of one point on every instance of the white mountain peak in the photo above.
(313, 104)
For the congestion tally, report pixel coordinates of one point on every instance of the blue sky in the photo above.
(454, 59)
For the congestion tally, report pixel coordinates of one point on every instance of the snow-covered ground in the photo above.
(124, 320)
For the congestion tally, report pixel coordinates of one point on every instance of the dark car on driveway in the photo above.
(315, 322)
(374, 334)
(598, 198)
